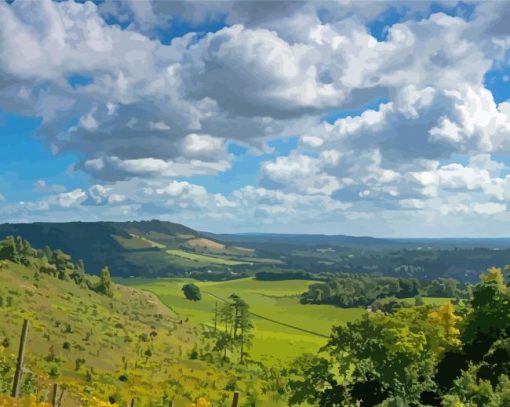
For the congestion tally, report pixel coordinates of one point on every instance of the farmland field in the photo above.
(203, 258)
(276, 300)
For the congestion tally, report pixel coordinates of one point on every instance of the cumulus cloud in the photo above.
(140, 198)
(203, 145)
(140, 111)
(114, 168)
(300, 173)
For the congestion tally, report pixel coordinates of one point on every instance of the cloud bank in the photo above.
(394, 126)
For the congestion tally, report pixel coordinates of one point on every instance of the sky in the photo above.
(353, 117)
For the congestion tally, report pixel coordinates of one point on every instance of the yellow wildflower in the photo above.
(201, 402)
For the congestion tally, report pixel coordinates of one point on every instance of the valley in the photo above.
(277, 301)
(204, 332)
(156, 248)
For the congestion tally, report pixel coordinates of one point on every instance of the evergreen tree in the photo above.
(105, 285)
(227, 319)
(245, 328)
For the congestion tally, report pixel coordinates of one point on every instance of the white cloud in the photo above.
(114, 168)
(203, 145)
(150, 111)
(489, 208)
(70, 199)
(300, 173)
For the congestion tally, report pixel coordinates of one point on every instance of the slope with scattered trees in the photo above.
(100, 340)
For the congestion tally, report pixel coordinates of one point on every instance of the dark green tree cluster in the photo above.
(192, 292)
(104, 286)
(17, 250)
(283, 274)
(55, 263)
(418, 356)
(233, 328)
(389, 305)
(363, 290)
(443, 287)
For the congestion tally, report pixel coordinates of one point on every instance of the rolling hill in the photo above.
(76, 336)
(106, 346)
(148, 248)
(159, 249)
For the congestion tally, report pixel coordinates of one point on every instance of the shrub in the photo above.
(192, 292)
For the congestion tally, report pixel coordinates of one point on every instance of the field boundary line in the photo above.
(272, 320)
(149, 291)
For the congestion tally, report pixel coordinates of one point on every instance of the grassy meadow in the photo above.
(202, 258)
(110, 348)
(274, 343)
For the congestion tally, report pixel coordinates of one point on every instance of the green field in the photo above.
(277, 300)
(429, 300)
(201, 258)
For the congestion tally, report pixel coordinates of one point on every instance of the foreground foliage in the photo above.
(446, 356)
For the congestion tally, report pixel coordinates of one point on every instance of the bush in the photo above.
(192, 292)
(53, 371)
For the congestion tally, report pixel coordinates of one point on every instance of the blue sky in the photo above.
(373, 118)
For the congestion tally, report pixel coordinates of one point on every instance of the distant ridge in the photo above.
(154, 248)
(103, 242)
(361, 241)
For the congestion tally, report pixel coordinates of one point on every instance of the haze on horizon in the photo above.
(388, 119)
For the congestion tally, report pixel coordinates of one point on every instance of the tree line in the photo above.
(285, 274)
(55, 263)
(449, 356)
(363, 290)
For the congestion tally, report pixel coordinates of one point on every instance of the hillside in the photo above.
(161, 249)
(360, 242)
(149, 248)
(108, 347)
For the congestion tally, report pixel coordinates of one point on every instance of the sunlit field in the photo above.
(279, 340)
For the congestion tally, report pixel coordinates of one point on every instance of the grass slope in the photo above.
(112, 335)
(204, 259)
(274, 343)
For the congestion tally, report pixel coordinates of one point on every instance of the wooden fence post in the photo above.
(21, 354)
(171, 403)
(61, 399)
(54, 395)
(235, 399)
(133, 402)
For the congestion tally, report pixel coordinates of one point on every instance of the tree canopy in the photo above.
(192, 292)
(55, 263)
(424, 355)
